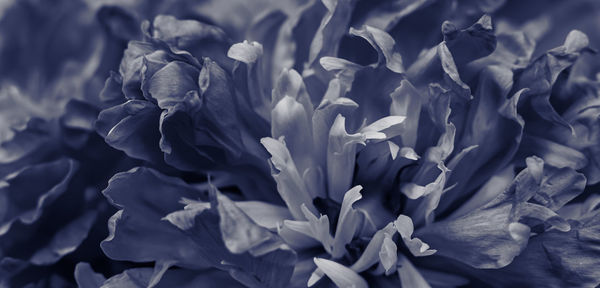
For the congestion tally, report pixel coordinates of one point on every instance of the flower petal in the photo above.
(341, 275)
(26, 194)
(229, 240)
(494, 227)
(131, 128)
(406, 101)
(172, 82)
(28, 145)
(290, 185)
(66, 240)
(183, 33)
(370, 254)
(409, 275)
(405, 228)
(341, 156)
(291, 121)
(264, 214)
(85, 277)
(348, 223)
(384, 44)
(326, 39)
(556, 258)
(543, 72)
(245, 52)
(322, 120)
(137, 232)
(255, 93)
(388, 255)
(496, 132)
(318, 229)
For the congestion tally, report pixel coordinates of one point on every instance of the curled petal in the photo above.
(384, 44)
(318, 228)
(341, 156)
(501, 228)
(322, 120)
(131, 128)
(556, 258)
(405, 228)
(370, 255)
(245, 52)
(543, 72)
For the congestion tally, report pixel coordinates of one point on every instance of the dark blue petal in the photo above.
(132, 128)
(231, 241)
(137, 232)
(86, 277)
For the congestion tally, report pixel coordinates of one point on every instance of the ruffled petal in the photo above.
(27, 193)
(137, 232)
(493, 128)
(131, 127)
(556, 258)
(543, 72)
(341, 154)
(172, 82)
(406, 101)
(185, 34)
(441, 64)
(229, 240)
(29, 144)
(388, 255)
(504, 224)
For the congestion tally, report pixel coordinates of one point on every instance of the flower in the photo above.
(164, 93)
(364, 139)
(314, 144)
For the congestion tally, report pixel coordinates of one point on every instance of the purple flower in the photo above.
(310, 143)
